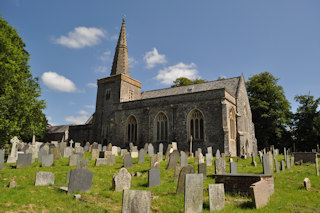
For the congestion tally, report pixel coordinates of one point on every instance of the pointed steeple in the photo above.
(121, 59)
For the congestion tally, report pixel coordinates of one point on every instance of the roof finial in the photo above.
(124, 18)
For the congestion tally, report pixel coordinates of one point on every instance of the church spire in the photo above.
(121, 59)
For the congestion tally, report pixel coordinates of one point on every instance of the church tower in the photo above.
(118, 87)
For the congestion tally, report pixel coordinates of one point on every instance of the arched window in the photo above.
(161, 124)
(132, 129)
(195, 121)
(232, 119)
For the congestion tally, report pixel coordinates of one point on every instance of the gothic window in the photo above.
(196, 126)
(132, 129)
(232, 119)
(161, 123)
(107, 94)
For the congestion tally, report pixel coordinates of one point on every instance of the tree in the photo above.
(307, 123)
(270, 110)
(186, 81)
(20, 110)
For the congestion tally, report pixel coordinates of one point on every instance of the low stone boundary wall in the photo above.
(305, 157)
(240, 183)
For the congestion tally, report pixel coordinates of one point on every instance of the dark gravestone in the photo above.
(276, 163)
(82, 164)
(283, 165)
(173, 159)
(47, 160)
(216, 196)
(142, 155)
(135, 201)
(101, 154)
(193, 195)
(80, 180)
(202, 169)
(220, 166)
(73, 159)
(154, 177)
(1, 159)
(177, 171)
(183, 159)
(24, 160)
(182, 177)
(233, 168)
(127, 161)
(266, 164)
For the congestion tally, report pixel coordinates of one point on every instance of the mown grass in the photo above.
(289, 196)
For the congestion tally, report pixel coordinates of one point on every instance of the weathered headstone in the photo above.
(142, 154)
(130, 146)
(168, 152)
(285, 153)
(233, 168)
(100, 147)
(183, 159)
(1, 159)
(292, 161)
(76, 145)
(317, 166)
(47, 160)
(173, 159)
(196, 157)
(114, 150)
(109, 147)
(82, 164)
(80, 180)
(220, 166)
(135, 201)
(182, 177)
(260, 193)
(201, 158)
(86, 147)
(79, 150)
(104, 148)
(24, 160)
(307, 184)
(216, 196)
(121, 180)
(161, 149)
(177, 171)
(253, 162)
(288, 161)
(209, 159)
(155, 162)
(218, 154)
(150, 150)
(13, 154)
(283, 165)
(202, 169)
(134, 152)
(73, 159)
(266, 164)
(44, 179)
(193, 195)
(174, 146)
(56, 153)
(127, 161)
(106, 153)
(209, 150)
(123, 152)
(146, 146)
(154, 177)
(95, 154)
(109, 161)
(276, 163)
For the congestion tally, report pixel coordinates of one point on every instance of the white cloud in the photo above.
(105, 56)
(76, 119)
(58, 82)
(89, 106)
(153, 58)
(171, 73)
(81, 37)
(49, 118)
(93, 85)
(83, 112)
(100, 69)
(132, 62)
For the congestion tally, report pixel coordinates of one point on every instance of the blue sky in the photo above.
(72, 44)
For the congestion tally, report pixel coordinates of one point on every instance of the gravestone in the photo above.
(201, 158)
(202, 169)
(109, 147)
(209, 150)
(161, 149)
(288, 161)
(12, 158)
(1, 158)
(182, 177)
(44, 179)
(196, 157)
(292, 161)
(123, 152)
(134, 152)
(173, 159)
(136, 201)
(95, 145)
(220, 166)
(276, 163)
(47, 160)
(82, 164)
(317, 165)
(100, 147)
(177, 171)
(56, 153)
(154, 177)
(218, 154)
(174, 145)
(155, 162)
(130, 146)
(266, 164)
(183, 159)
(73, 159)
(70, 143)
(104, 148)
(107, 153)
(260, 193)
(114, 150)
(95, 154)
(127, 161)
(25, 148)
(168, 152)
(209, 159)
(146, 146)
(285, 153)
(41, 153)
(24, 160)
(150, 150)
(79, 150)
(121, 180)
(193, 195)
(76, 145)
(109, 161)
(80, 180)
(142, 154)
(86, 147)
(307, 184)
(216, 196)
(233, 168)
(253, 162)
(283, 165)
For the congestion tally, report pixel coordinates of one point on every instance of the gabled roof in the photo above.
(57, 129)
(231, 84)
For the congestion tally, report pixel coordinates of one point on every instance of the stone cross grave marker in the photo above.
(154, 177)
(173, 159)
(80, 180)
(136, 201)
(193, 195)
(44, 179)
(216, 196)
(13, 154)
(182, 177)
(121, 180)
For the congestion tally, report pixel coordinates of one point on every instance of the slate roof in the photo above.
(57, 129)
(231, 84)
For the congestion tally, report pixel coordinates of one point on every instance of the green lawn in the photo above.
(289, 196)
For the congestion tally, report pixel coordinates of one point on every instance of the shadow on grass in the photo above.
(247, 205)
(143, 184)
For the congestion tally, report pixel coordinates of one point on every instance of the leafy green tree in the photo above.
(270, 110)
(307, 123)
(20, 109)
(186, 81)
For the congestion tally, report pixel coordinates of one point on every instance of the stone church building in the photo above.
(215, 113)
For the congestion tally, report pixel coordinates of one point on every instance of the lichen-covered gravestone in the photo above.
(121, 180)
(182, 177)
(209, 159)
(47, 160)
(154, 177)
(193, 195)
(135, 201)
(173, 159)
(80, 180)
(127, 161)
(24, 160)
(202, 169)
(44, 178)
(56, 153)
(73, 159)
(216, 196)
(220, 166)
(95, 154)
(82, 164)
